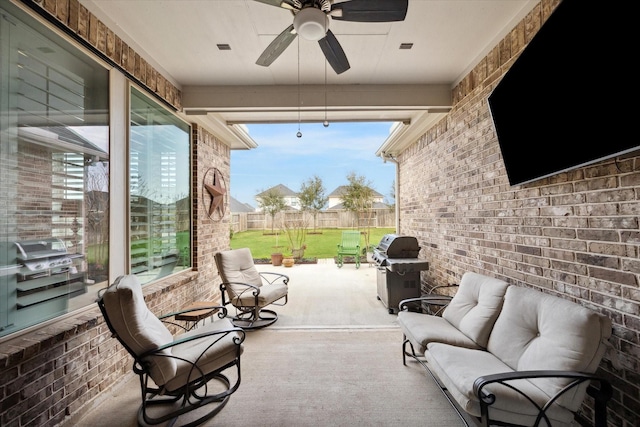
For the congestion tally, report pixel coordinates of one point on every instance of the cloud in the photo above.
(330, 153)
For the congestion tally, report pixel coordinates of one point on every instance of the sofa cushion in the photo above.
(538, 331)
(457, 368)
(421, 329)
(137, 327)
(476, 305)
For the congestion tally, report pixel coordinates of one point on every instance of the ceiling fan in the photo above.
(311, 22)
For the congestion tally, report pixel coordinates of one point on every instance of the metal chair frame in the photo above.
(193, 395)
(253, 316)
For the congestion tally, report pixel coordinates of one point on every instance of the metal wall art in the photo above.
(214, 194)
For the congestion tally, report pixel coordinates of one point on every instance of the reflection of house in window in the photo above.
(54, 153)
(159, 190)
(68, 167)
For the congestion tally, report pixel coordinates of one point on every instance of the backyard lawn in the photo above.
(321, 244)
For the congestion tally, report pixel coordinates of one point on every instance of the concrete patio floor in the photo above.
(324, 296)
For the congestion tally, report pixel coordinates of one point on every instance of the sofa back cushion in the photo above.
(476, 305)
(538, 331)
(137, 327)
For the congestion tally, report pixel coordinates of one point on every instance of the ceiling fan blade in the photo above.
(285, 4)
(277, 46)
(370, 10)
(334, 53)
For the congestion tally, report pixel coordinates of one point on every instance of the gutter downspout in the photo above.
(389, 158)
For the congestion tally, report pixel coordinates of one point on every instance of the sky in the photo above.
(330, 153)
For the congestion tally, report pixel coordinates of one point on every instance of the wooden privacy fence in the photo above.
(377, 218)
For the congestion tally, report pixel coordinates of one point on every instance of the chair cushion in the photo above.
(457, 368)
(476, 305)
(541, 331)
(421, 329)
(137, 327)
(236, 265)
(268, 294)
(206, 356)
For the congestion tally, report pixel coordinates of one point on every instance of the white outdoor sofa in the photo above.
(510, 355)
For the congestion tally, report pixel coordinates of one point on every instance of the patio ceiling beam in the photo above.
(200, 100)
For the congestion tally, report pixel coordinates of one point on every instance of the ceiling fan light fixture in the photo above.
(311, 23)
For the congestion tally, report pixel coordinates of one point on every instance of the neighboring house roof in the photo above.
(237, 206)
(282, 189)
(341, 190)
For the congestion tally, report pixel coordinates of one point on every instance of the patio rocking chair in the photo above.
(177, 375)
(248, 290)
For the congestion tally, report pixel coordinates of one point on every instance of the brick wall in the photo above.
(575, 234)
(50, 375)
(76, 20)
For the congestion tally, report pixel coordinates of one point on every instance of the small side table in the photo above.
(194, 317)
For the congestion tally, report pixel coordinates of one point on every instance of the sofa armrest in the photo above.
(601, 392)
(431, 299)
(440, 301)
(432, 290)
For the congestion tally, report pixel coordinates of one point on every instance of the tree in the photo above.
(312, 197)
(358, 198)
(392, 202)
(272, 202)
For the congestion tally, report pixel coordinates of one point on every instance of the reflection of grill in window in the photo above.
(43, 277)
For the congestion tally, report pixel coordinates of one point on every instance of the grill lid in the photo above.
(41, 248)
(394, 246)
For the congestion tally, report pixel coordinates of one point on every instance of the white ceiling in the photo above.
(225, 87)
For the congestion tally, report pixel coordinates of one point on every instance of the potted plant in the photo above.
(288, 260)
(276, 259)
(295, 229)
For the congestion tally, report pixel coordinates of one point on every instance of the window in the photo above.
(54, 174)
(159, 188)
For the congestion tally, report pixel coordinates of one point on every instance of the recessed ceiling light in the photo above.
(406, 45)
(223, 46)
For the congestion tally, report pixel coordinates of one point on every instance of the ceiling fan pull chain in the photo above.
(299, 134)
(326, 120)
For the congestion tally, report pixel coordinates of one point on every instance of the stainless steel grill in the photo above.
(398, 269)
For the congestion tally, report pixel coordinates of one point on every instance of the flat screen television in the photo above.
(563, 103)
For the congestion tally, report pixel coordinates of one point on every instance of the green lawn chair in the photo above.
(350, 246)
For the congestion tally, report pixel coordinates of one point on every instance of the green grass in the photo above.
(321, 245)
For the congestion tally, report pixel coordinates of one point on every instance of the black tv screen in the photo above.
(562, 104)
